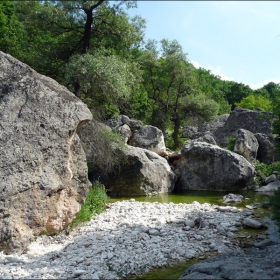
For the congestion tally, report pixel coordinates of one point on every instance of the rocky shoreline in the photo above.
(130, 238)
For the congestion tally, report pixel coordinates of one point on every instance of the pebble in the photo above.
(129, 238)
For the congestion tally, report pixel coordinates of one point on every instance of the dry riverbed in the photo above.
(129, 238)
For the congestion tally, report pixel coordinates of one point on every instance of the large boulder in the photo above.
(194, 132)
(267, 152)
(208, 167)
(150, 138)
(226, 126)
(246, 144)
(256, 121)
(43, 171)
(143, 172)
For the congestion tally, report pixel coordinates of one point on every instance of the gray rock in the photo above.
(270, 178)
(125, 131)
(271, 187)
(264, 243)
(43, 171)
(246, 144)
(148, 137)
(208, 167)
(251, 264)
(226, 126)
(194, 132)
(251, 223)
(142, 173)
(232, 198)
(254, 121)
(206, 138)
(121, 120)
(190, 223)
(267, 152)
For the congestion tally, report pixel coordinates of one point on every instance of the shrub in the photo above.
(95, 203)
(231, 143)
(264, 170)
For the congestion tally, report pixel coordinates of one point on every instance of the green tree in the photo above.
(236, 91)
(255, 101)
(171, 86)
(106, 81)
(213, 87)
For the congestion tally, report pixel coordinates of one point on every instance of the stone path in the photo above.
(129, 238)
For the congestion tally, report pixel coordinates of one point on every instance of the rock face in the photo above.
(125, 126)
(266, 152)
(208, 167)
(142, 173)
(246, 145)
(43, 171)
(150, 138)
(227, 126)
(193, 132)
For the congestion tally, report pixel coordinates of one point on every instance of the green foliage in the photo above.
(235, 92)
(95, 203)
(105, 80)
(231, 143)
(213, 87)
(172, 89)
(264, 170)
(255, 101)
(169, 142)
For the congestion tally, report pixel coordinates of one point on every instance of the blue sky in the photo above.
(237, 40)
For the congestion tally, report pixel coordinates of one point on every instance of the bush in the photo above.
(95, 203)
(231, 143)
(264, 170)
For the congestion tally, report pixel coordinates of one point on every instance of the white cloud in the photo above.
(217, 70)
(195, 64)
(265, 82)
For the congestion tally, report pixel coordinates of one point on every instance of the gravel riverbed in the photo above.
(129, 238)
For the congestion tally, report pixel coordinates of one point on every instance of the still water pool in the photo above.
(251, 197)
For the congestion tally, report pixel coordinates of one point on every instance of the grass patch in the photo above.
(95, 203)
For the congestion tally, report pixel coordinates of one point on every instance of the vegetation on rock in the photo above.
(95, 203)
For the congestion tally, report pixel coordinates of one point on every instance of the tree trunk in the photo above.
(87, 31)
(175, 134)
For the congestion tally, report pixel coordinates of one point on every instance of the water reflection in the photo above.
(250, 197)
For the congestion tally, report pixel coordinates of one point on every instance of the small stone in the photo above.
(79, 272)
(248, 222)
(189, 223)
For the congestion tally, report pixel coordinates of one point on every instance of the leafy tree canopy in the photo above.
(256, 101)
